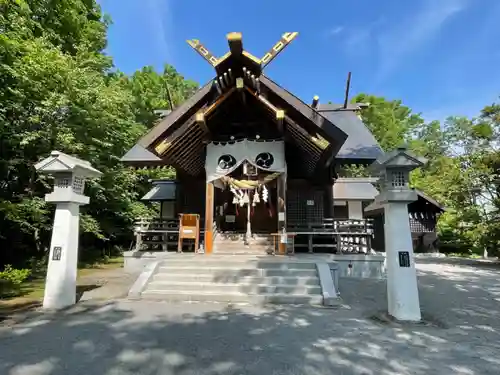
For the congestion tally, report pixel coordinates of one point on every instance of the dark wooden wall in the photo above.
(299, 193)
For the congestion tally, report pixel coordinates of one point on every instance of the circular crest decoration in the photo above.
(226, 161)
(264, 160)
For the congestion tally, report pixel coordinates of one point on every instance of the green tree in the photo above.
(57, 92)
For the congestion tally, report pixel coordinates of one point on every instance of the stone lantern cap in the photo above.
(400, 158)
(59, 162)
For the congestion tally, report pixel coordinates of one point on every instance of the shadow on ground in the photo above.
(142, 337)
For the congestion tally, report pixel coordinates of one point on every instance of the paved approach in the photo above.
(462, 304)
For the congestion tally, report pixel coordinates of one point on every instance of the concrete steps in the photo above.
(234, 243)
(237, 279)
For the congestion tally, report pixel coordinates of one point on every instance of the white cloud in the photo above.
(160, 25)
(335, 30)
(412, 33)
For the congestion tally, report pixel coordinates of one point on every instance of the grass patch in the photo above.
(32, 290)
(466, 256)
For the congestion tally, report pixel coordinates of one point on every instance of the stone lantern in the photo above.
(69, 175)
(402, 291)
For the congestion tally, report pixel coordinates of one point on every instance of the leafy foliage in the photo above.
(11, 280)
(463, 169)
(57, 91)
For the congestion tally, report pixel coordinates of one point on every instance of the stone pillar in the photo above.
(60, 285)
(69, 174)
(402, 289)
(395, 194)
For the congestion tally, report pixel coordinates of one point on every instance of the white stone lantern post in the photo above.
(395, 195)
(69, 178)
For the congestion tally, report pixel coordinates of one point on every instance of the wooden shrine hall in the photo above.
(254, 161)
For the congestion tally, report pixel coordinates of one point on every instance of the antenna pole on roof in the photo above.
(169, 98)
(347, 88)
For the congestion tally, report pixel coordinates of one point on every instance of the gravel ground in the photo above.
(460, 302)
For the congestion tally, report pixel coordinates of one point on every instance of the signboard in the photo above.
(404, 259)
(56, 253)
(230, 218)
(310, 202)
(281, 216)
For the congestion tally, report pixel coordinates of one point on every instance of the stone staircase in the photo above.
(234, 243)
(236, 279)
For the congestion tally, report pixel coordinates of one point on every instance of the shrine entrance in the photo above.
(245, 176)
(231, 212)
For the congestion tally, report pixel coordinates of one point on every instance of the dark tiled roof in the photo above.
(161, 191)
(360, 143)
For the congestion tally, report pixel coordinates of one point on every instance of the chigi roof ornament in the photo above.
(237, 53)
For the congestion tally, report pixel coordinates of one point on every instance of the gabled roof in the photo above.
(323, 123)
(162, 190)
(360, 143)
(177, 114)
(138, 154)
(359, 189)
(375, 208)
(400, 157)
(59, 162)
(322, 133)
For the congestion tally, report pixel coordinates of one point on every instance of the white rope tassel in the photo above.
(265, 194)
(246, 199)
(256, 198)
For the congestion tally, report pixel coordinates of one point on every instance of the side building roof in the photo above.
(360, 145)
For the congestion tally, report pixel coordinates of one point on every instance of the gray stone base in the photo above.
(135, 261)
(358, 266)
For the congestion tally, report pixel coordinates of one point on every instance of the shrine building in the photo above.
(260, 167)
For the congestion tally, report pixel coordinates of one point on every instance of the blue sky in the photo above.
(441, 57)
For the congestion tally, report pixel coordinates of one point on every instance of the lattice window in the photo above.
(78, 183)
(398, 179)
(63, 182)
(304, 207)
(422, 222)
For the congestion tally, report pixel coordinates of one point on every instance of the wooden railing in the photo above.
(344, 235)
(156, 234)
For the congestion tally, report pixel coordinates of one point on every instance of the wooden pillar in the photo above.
(329, 207)
(281, 192)
(209, 218)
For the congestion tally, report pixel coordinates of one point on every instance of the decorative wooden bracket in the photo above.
(200, 120)
(285, 40)
(240, 85)
(205, 53)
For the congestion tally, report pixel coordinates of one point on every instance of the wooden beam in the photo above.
(315, 101)
(266, 102)
(252, 58)
(162, 147)
(200, 120)
(325, 127)
(209, 218)
(205, 53)
(281, 195)
(235, 43)
(221, 99)
(285, 40)
(280, 115)
(186, 109)
(240, 85)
